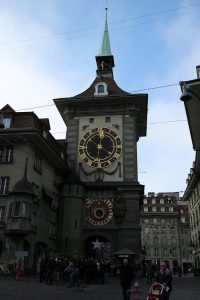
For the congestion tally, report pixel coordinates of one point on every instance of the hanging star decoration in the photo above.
(97, 244)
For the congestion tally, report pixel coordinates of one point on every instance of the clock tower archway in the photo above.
(98, 246)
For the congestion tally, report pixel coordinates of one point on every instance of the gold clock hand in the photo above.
(101, 133)
(93, 143)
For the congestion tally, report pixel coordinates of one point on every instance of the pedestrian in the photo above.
(126, 278)
(164, 277)
(43, 269)
(179, 271)
(149, 273)
(50, 269)
(18, 272)
(72, 271)
(135, 291)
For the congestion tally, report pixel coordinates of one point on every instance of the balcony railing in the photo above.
(18, 225)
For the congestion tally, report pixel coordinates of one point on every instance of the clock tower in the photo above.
(101, 198)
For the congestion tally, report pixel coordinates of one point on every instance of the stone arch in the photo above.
(40, 251)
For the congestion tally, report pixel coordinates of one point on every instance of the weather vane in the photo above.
(106, 5)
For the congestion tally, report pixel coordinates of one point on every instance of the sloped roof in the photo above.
(24, 185)
(113, 89)
(7, 108)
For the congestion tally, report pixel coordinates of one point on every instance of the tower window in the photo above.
(91, 120)
(107, 119)
(101, 89)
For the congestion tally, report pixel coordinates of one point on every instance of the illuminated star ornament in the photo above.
(96, 244)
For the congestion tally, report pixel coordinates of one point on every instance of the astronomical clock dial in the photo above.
(100, 147)
(98, 211)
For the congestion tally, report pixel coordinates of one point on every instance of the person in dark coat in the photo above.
(126, 278)
(164, 277)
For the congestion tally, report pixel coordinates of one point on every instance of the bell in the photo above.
(1, 122)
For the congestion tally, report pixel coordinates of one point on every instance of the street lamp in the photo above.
(187, 94)
(191, 98)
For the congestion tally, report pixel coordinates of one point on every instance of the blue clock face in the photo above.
(100, 147)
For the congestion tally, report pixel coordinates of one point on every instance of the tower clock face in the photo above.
(100, 147)
(99, 211)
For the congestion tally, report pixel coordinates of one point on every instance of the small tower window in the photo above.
(91, 120)
(107, 119)
(101, 89)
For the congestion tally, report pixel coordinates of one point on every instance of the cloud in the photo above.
(166, 153)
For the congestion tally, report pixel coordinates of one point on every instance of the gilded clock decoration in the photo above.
(99, 211)
(100, 147)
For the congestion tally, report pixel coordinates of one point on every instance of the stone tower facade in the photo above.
(101, 197)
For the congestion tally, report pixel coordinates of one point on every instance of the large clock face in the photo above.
(99, 211)
(100, 147)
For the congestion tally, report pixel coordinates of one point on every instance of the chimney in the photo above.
(2, 126)
(198, 71)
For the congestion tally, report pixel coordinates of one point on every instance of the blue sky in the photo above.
(48, 48)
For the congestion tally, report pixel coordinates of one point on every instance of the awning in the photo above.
(124, 252)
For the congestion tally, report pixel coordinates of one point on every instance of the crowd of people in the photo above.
(68, 271)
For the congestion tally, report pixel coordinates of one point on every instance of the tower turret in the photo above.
(105, 59)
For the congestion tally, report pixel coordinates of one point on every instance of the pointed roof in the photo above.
(105, 59)
(23, 185)
(105, 49)
(7, 108)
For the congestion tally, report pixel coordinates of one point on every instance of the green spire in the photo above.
(105, 44)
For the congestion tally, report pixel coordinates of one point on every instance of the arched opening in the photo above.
(40, 252)
(100, 88)
(97, 246)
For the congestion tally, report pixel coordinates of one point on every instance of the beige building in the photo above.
(32, 167)
(164, 229)
(192, 195)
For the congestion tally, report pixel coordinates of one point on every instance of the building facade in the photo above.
(165, 231)
(191, 98)
(192, 195)
(32, 168)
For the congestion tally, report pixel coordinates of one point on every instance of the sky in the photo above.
(48, 48)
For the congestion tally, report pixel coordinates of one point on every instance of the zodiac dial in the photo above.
(99, 211)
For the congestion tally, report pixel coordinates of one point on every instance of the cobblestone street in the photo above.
(184, 288)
